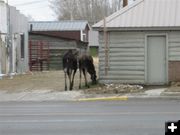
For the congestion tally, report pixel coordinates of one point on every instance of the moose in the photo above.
(86, 66)
(70, 65)
(72, 61)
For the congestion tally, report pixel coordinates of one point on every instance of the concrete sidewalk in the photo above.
(41, 95)
(78, 95)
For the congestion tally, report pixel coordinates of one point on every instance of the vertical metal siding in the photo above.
(93, 38)
(19, 25)
(3, 18)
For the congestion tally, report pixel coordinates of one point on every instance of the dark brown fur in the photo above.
(70, 67)
(86, 66)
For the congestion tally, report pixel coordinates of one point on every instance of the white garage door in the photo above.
(156, 60)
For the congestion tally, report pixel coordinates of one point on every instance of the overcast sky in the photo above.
(37, 9)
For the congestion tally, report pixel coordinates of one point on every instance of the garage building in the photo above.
(141, 44)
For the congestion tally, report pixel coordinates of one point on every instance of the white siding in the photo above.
(93, 38)
(126, 58)
(174, 46)
(127, 55)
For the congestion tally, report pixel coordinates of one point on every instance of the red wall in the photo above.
(174, 71)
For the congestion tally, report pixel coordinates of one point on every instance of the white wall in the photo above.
(3, 18)
(93, 38)
(18, 25)
(127, 55)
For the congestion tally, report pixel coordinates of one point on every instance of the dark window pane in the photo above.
(22, 46)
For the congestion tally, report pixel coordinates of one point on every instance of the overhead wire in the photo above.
(30, 3)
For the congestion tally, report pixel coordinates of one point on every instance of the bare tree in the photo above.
(91, 10)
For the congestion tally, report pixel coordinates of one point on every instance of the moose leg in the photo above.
(72, 83)
(85, 77)
(69, 75)
(65, 76)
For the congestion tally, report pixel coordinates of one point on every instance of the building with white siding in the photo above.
(141, 44)
(13, 40)
(93, 43)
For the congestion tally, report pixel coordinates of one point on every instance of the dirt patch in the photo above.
(114, 89)
(174, 87)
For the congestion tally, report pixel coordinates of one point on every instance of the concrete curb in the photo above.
(122, 98)
(125, 98)
(154, 97)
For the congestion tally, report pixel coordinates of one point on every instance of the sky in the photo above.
(39, 10)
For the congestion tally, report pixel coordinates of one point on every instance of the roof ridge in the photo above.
(120, 12)
(59, 25)
(58, 21)
(125, 9)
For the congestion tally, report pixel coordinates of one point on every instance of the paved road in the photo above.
(132, 117)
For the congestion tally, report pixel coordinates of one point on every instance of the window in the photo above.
(84, 37)
(22, 45)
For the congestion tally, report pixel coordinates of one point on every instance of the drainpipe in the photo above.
(125, 3)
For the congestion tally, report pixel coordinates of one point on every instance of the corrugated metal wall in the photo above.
(18, 26)
(3, 17)
(93, 38)
(127, 55)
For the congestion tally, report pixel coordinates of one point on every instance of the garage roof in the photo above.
(67, 25)
(145, 13)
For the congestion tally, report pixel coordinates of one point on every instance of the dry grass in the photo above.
(50, 80)
(34, 81)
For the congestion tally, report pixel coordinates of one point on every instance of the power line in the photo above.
(34, 8)
(30, 3)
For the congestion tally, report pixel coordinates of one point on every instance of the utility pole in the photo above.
(106, 48)
(125, 3)
(8, 41)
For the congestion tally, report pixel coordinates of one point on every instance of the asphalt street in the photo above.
(131, 117)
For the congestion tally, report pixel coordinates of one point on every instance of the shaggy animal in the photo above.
(86, 66)
(70, 67)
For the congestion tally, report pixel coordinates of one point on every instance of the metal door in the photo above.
(156, 60)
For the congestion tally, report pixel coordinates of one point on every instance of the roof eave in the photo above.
(174, 28)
